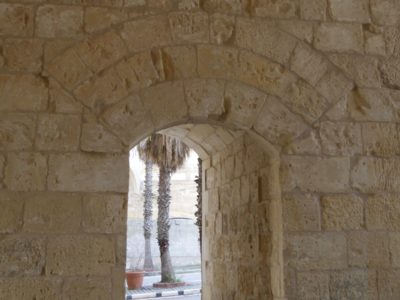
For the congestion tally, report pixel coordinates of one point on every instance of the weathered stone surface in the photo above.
(279, 8)
(388, 284)
(381, 139)
(189, 27)
(92, 288)
(313, 9)
(339, 37)
(23, 93)
(217, 62)
(301, 29)
(52, 212)
(334, 86)
(104, 213)
(166, 102)
(308, 64)
(231, 6)
(244, 104)
(350, 11)
(376, 174)
(62, 102)
(265, 39)
(11, 213)
(21, 256)
(340, 138)
(16, 131)
(26, 172)
(282, 126)
(23, 55)
(301, 212)
(323, 174)
(308, 144)
(96, 137)
(98, 18)
(205, 98)
(313, 285)
(80, 255)
(178, 62)
(59, 21)
(385, 12)
(146, 33)
(101, 51)
(390, 73)
(58, 132)
(222, 28)
(88, 172)
(55, 47)
(382, 212)
(316, 251)
(342, 212)
(349, 285)
(16, 19)
(26, 287)
(130, 119)
(375, 44)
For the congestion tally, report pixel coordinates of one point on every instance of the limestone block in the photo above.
(120, 248)
(390, 74)
(60, 101)
(217, 62)
(23, 93)
(382, 212)
(23, 55)
(58, 132)
(21, 256)
(104, 213)
(308, 144)
(381, 139)
(101, 51)
(328, 175)
(222, 28)
(313, 10)
(146, 33)
(179, 62)
(118, 283)
(205, 98)
(376, 174)
(342, 212)
(189, 27)
(313, 285)
(88, 172)
(16, 20)
(98, 18)
(244, 103)
(200, 132)
(316, 251)
(11, 214)
(102, 91)
(225, 6)
(16, 131)
(54, 47)
(52, 212)
(304, 100)
(59, 21)
(301, 29)
(26, 172)
(130, 119)
(69, 69)
(340, 138)
(363, 69)
(388, 284)
(350, 11)
(349, 285)
(301, 212)
(281, 126)
(308, 64)
(2, 165)
(96, 137)
(97, 288)
(254, 159)
(39, 288)
(394, 248)
(339, 37)
(166, 103)
(80, 255)
(375, 44)
(386, 12)
(265, 39)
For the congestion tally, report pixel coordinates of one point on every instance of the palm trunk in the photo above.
(148, 212)
(163, 201)
(198, 213)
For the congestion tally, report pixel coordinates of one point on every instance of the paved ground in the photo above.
(191, 297)
(193, 278)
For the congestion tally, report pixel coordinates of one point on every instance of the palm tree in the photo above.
(144, 154)
(169, 154)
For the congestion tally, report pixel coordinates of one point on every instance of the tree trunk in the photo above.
(163, 201)
(147, 214)
(198, 213)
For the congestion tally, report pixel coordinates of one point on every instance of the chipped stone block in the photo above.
(179, 62)
(189, 27)
(381, 139)
(382, 212)
(222, 28)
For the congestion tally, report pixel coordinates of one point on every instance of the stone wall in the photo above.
(81, 82)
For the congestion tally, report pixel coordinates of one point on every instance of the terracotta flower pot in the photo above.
(134, 279)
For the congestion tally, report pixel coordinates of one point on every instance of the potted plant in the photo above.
(134, 275)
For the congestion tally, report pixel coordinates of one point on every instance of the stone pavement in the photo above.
(150, 292)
